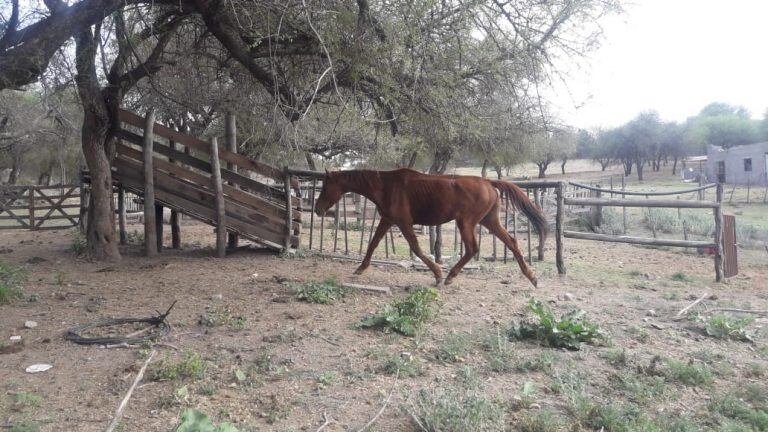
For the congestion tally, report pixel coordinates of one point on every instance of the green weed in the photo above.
(79, 244)
(404, 364)
(725, 327)
(691, 373)
(327, 292)
(681, 277)
(26, 426)
(542, 421)
(326, 379)
(221, 315)
(570, 331)
(453, 348)
(455, 408)
(406, 316)
(25, 400)
(11, 278)
(195, 421)
(499, 352)
(617, 358)
(543, 362)
(753, 413)
(190, 367)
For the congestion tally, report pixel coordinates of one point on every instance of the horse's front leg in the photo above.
(381, 230)
(413, 242)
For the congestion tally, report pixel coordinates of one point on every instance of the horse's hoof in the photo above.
(535, 282)
(448, 281)
(359, 271)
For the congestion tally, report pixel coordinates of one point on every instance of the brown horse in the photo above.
(406, 197)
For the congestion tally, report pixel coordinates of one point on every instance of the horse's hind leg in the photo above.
(381, 230)
(413, 242)
(491, 222)
(467, 231)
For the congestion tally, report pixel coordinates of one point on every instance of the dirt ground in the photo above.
(303, 361)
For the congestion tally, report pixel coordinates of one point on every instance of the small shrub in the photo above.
(663, 220)
(616, 358)
(681, 277)
(691, 374)
(327, 292)
(406, 316)
(543, 421)
(407, 365)
(24, 400)
(498, 352)
(11, 278)
(725, 327)
(734, 407)
(641, 389)
(453, 348)
(79, 244)
(327, 378)
(542, 362)
(195, 421)
(221, 315)
(191, 367)
(568, 332)
(456, 409)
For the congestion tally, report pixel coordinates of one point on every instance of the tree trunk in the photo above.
(412, 161)
(674, 165)
(639, 164)
(627, 166)
(542, 169)
(498, 170)
(13, 178)
(562, 166)
(310, 161)
(484, 171)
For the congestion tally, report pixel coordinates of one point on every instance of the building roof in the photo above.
(696, 158)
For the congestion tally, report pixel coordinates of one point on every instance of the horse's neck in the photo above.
(365, 183)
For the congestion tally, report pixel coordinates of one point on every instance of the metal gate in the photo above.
(730, 258)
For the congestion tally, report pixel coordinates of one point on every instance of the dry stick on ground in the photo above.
(328, 421)
(124, 402)
(383, 407)
(685, 309)
(756, 312)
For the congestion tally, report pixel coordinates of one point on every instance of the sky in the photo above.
(672, 56)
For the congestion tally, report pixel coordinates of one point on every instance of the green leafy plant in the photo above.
(458, 408)
(453, 348)
(403, 364)
(691, 373)
(681, 277)
(725, 327)
(221, 315)
(191, 366)
(326, 292)
(195, 421)
(406, 316)
(11, 278)
(567, 332)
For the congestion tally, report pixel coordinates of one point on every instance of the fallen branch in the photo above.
(158, 325)
(124, 402)
(685, 309)
(383, 290)
(328, 421)
(757, 312)
(383, 407)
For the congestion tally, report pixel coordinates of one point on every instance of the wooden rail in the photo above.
(615, 202)
(34, 207)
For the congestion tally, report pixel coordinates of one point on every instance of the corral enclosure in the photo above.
(245, 349)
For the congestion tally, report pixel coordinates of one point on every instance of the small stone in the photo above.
(650, 313)
(15, 338)
(217, 297)
(30, 324)
(505, 282)
(568, 296)
(657, 326)
(40, 367)
(535, 406)
(405, 264)
(646, 319)
(254, 276)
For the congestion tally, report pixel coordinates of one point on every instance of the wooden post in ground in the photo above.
(289, 216)
(539, 195)
(32, 207)
(150, 231)
(159, 226)
(559, 228)
(718, 212)
(121, 213)
(175, 216)
(230, 132)
(221, 222)
(624, 209)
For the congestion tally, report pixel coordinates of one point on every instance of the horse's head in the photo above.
(330, 194)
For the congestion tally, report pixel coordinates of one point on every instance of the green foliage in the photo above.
(741, 407)
(221, 315)
(195, 421)
(407, 365)
(455, 409)
(11, 278)
(327, 378)
(24, 400)
(692, 374)
(725, 327)
(454, 347)
(26, 426)
(640, 388)
(79, 244)
(662, 220)
(190, 366)
(540, 421)
(568, 332)
(542, 362)
(498, 352)
(327, 292)
(617, 358)
(681, 277)
(406, 316)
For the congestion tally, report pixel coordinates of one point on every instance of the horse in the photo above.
(405, 197)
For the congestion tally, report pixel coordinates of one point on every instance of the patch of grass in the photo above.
(328, 291)
(406, 316)
(408, 365)
(11, 278)
(725, 327)
(672, 296)
(542, 362)
(190, 367)
(454, 347)
(25, 400)
(664, 220)
(570, 331)
(681, 277)
(617, 357)
(640, 334)
(79, 244)
(26, 426)
(326, 379)
(756, 370)
(498, 352)
(221, 315)
(691, 373)
(541, 421)
(195, 421)
(455, 408)
(640, 389)
(753, 413)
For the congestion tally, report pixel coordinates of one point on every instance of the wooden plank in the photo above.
(560, 228)
(238, 179)
(200, 145)
(718, 213)
(230, 131)
(204, 198)
(640, 203)
(288, 216)
(267, 208)
(730, 251)
(121, 214)
(635, 240)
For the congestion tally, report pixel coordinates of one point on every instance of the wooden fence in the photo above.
(39, 207)
(597, 202)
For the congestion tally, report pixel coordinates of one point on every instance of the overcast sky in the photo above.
(674, 56)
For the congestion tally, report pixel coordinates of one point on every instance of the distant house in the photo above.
(744, 164)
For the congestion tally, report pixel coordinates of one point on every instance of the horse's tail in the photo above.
(521, 201)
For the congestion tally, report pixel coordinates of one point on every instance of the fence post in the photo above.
(230, 135)
(159, 226)
(624, 209)
(312, 213)
(596, 213)
(559, 228)
(32, 208)
(288, 213)
(121, 213)
(221, 222)
(150, 230)
(175, 215)
(718, 211)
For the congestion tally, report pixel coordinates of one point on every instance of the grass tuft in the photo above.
(328, 291)
(11, 278)
(406, 316)
(570, 331)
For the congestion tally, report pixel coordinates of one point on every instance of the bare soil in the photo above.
(306, 360)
